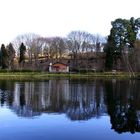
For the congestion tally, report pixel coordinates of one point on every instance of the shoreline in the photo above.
(47, 76)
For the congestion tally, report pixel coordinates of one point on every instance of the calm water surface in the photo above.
(70, 110)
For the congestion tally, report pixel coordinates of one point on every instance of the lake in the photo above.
(70, 110)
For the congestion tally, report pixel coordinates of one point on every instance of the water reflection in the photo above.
(122, 100)
(79, 100)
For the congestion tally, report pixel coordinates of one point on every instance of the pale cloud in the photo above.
(59, 17)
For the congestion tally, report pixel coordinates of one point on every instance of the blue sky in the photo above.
(59, 17)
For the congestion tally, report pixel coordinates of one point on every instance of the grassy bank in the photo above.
(44, 75)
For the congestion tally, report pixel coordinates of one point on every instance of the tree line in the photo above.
(32, 47)
(122, 44)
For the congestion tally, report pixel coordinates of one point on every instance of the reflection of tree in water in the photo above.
(85, 101)
(5, 95)
(78, 100)
(122, 99)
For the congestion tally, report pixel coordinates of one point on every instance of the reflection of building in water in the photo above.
(79, 101)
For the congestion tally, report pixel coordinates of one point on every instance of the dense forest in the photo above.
(121, 47)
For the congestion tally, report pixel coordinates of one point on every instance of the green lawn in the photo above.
(45, 75)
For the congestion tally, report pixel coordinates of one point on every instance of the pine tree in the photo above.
(11, 55)
(22, 50)
(122, 37)
(4, 57)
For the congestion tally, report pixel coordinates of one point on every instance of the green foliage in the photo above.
(11, 55)
(122, 36)
(109, 57)
(7, 56)
(22, 50)
(4, 57)
(0, 59)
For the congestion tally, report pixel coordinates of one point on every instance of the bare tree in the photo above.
(80, 43)
(99, 42)
(30, 41)
(55, 47)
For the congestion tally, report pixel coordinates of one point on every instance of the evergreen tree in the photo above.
(22, 50)
(4, 57)
(0, 59)
(122, 37)
(11, 55)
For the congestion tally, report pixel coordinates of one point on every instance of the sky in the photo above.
(60, 17)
